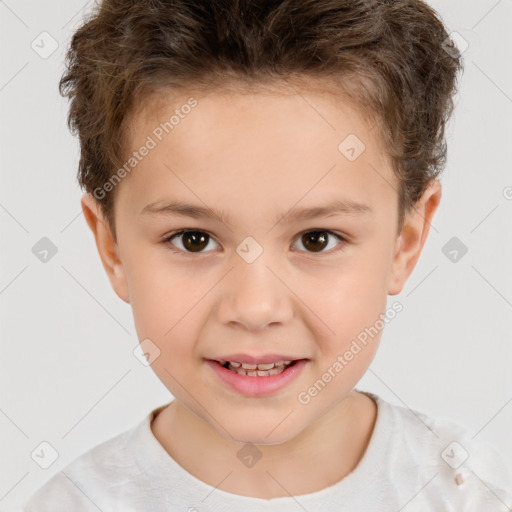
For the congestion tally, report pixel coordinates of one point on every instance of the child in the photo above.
(260, 176)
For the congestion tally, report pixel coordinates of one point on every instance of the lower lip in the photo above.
(257, 386)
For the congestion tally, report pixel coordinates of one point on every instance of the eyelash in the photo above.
(167, 240)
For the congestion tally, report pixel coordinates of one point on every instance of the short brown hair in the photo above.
(388, 56)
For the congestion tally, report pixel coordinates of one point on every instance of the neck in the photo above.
(203, 452)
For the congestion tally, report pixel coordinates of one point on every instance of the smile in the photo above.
(257, 379)
(257, 370)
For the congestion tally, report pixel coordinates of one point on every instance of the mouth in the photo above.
(257, 379)
(259, 369)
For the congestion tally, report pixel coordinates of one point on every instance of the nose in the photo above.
(253, 297)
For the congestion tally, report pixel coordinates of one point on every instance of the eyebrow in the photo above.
(336, 207)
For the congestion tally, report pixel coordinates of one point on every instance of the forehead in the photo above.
(280, 142)
(316, 107)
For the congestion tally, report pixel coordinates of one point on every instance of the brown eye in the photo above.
(192, 241)
(314, 241)
(317, 241)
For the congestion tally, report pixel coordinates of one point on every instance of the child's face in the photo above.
(257, 159)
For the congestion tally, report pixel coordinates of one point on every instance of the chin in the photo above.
(267, 433)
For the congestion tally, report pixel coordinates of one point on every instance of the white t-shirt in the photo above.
(412, 464)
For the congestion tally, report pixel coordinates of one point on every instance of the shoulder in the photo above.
(95, 477)
(446, 463)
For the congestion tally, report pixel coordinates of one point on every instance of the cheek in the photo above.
(340, 301)
(350, 298)
(163, 298)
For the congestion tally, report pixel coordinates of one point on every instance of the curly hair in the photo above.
(393, 58)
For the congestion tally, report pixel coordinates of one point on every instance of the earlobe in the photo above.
(410, 243)
(107, 246)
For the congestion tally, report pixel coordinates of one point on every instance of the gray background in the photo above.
(67, 372)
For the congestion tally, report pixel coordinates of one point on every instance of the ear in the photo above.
(107, 246)
(413, 236)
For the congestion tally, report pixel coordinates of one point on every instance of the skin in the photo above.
(255, 156)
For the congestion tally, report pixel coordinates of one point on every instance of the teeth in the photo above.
(260, 366)
(259, 373)
(258, 370)
(266, 366)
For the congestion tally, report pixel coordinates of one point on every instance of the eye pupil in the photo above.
(314, 241)
(197, 239)
(313, 238)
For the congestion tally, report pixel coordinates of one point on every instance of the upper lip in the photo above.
(263, 358)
